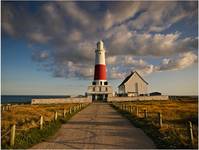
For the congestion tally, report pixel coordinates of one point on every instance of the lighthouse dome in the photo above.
(100, 45)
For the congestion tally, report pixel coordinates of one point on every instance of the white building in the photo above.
(133, 85)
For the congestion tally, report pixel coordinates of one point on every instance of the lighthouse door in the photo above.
(99, 97)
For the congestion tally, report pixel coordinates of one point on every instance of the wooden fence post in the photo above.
(131, 109)
(70, 110)
(41, 122)
(55, 116)
(160, 119)
(137, 111)
(8, 107)
(145, 114)
(12, 135)
(190, 133)
(75, 108)
(64, 113)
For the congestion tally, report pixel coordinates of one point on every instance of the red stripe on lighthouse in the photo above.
(100, 72)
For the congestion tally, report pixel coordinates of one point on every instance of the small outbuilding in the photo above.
(155, 93)
(133, 85)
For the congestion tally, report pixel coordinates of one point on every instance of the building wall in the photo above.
(121, 89)
(61, 100)
(136, 98)
(130, 85)
(99, 89)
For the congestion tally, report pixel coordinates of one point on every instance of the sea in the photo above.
(26, 99)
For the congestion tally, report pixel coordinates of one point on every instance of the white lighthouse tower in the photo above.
(100, 65)
(100, 90)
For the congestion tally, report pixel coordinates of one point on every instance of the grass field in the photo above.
(27, 116)
(176, 115)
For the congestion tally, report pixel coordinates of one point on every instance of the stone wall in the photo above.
(61, 100)
(140, 98)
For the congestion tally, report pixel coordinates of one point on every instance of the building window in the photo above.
(100, 82)
(93, 88)
(136, 87)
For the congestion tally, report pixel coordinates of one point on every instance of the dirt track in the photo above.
(96, 127)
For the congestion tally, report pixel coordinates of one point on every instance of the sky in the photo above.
(48, 47)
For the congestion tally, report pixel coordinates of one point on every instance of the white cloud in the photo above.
(184, 60)
(119, 12)
(39, 37)
(122, 41)
(40, 55)
(120, 66)
(72, 30)
(75, 35)
(158, 16)
(76, 12)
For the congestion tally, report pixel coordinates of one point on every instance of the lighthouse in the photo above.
(100, 90)
(100, 65)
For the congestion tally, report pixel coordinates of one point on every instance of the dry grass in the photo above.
(175, 114)
(27, 116)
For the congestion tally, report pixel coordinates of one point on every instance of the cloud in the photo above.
(40, 55)
(124, 41)
(129, 30)
(39, 37)
(120, 66)
(126, 11)
(70, 69)
(184, 60)
(72, 9)
(158, 16)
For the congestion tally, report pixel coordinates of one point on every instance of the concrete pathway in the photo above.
(96, 127)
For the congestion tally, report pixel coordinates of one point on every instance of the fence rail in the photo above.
(40, 123)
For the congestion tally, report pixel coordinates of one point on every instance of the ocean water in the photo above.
(10, 99)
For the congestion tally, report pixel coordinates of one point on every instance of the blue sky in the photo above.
(47, 48)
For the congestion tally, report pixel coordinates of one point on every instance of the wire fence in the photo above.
(11, 133)
(156, 119)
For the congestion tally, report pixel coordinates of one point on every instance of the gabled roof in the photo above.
(129, 76)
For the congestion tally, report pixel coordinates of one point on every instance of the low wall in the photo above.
(138, 98)
(61, 100)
